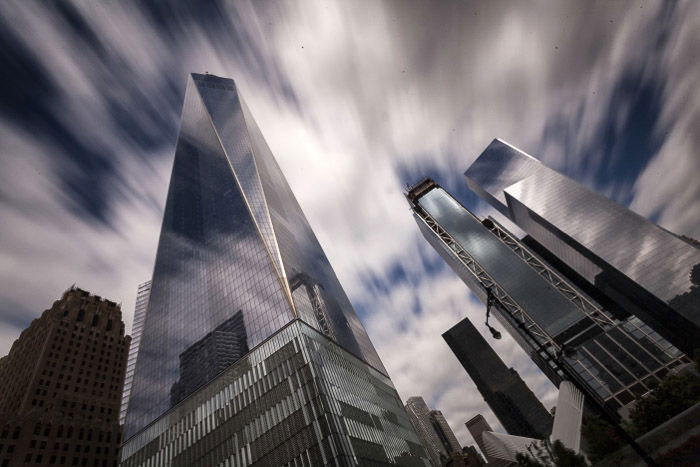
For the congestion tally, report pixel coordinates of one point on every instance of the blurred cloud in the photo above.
(355, 100)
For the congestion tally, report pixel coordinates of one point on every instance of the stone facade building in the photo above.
(62, 384)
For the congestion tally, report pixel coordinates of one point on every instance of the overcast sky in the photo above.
(355, 99)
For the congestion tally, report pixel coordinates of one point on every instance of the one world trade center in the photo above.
(251, 353)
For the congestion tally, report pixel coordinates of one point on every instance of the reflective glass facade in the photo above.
(233, 240)
(614, 359)
(552, 311)
(645, 269)
(296, 399)
(142, 294)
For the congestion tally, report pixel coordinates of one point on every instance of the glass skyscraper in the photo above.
(251, 353)
(643, 269)
(433, 430)
(142, 294)
(513, 403)
(614, 359)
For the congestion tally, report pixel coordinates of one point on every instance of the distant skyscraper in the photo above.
(238, 267)
(551, 319)
(513, 403)
(476, 427)
(142, 294)
(645, 269)
(433, 430)
(445, 433)
(62, 385)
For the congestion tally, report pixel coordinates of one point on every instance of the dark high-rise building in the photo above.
(513, 403)
(614, 359)
(235, 245)
(62, 385)
(142, 294)
(645, 270)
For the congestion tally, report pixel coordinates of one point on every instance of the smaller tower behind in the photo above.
(142, 295)
(445, 433)
(476, 426)
(433, 430)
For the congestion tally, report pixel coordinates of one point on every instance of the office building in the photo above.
(644, 269)
(238, 267)
(142, 294)
(513, 403)
(445, 433)
(433, 430)
(62, 385)
(419, 415)
(554, 322)
(476, 426)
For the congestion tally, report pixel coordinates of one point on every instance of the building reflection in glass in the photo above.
(644, 269)
(209, 356)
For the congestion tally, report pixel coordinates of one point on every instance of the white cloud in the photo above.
(45, 248)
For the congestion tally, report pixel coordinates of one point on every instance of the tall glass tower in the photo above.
(643, 269)
(614, 359)
(251, 352)
(142, 294)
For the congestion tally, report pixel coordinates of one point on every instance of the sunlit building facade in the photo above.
(555, 323)
(251, 353)
(643, 269)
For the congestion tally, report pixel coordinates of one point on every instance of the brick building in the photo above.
(61, 386)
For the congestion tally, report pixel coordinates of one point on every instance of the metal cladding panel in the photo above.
(594, 235)
(296, 399)
(568, 417)
(233, 239)
(506, 447)
(545, 305)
